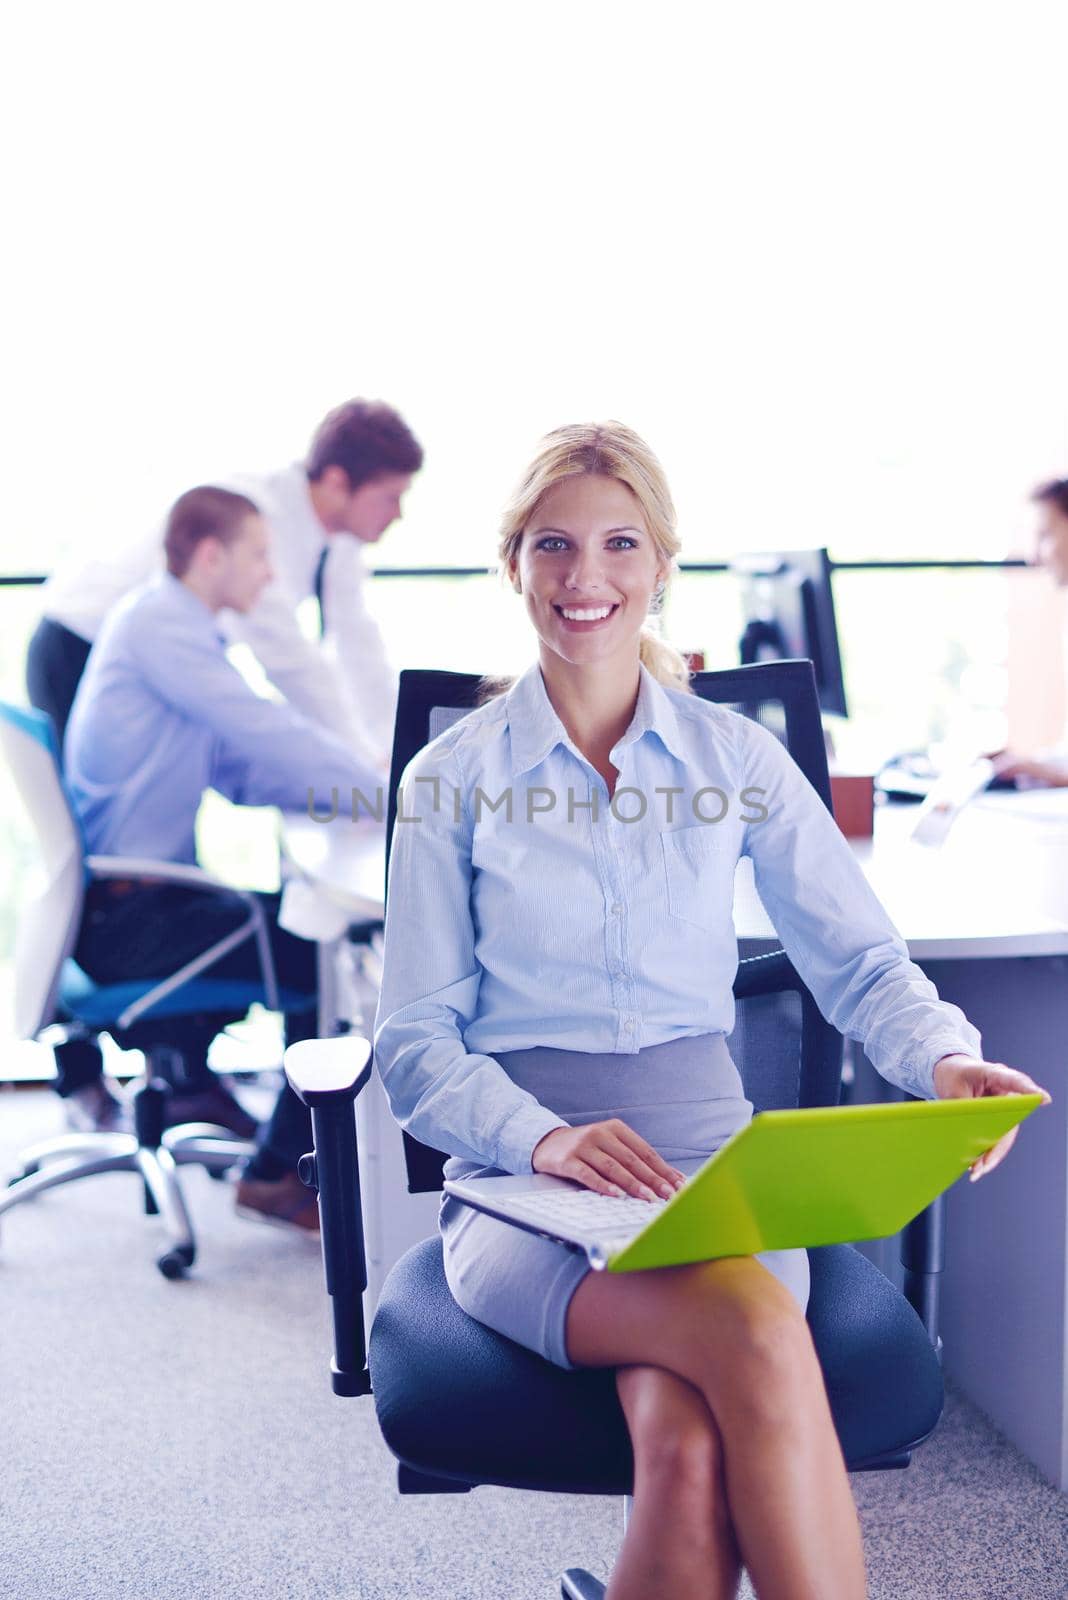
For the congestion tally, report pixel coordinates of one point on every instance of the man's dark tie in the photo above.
(317, 588)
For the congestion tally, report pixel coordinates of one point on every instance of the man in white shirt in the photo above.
(321, 512)
(1046, 768)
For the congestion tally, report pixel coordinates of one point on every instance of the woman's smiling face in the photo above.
(587, 566)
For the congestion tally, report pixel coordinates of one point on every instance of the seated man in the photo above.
(1047, 768)
(161, 715)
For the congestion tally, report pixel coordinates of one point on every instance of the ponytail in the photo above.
(664, 662)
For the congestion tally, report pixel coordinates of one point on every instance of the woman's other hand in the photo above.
(961, 1077)
(608, 1157)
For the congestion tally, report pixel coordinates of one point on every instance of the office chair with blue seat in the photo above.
(54, 997)
(458, 1404)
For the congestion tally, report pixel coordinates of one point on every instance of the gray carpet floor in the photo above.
(180, 1439)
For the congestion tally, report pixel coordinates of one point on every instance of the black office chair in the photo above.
(458, 1404)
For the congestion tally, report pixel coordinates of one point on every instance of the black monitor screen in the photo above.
(789, 612)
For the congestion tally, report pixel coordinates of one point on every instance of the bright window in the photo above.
(815, 253)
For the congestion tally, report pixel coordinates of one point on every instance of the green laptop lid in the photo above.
(828, 1175)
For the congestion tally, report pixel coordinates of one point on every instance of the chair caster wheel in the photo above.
(174, 1263)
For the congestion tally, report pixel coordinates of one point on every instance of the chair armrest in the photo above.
(328, 1074)
(192, 877)
(325, 1072)
(163, 871)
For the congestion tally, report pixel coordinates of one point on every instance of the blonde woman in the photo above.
(559, 962)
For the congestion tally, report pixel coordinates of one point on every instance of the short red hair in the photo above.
(202, 513)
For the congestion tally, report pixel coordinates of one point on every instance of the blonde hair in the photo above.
(609, 450)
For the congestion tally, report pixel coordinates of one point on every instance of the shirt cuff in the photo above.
(917, 1076)
(520, 1133)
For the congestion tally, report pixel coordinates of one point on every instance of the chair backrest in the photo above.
(48, 925)
(428, 702)
(782, 696)
(786, 1052)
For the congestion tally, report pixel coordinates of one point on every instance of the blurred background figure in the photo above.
(320, 513)
(1047, 768)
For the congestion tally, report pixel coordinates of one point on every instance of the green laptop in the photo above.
(827, 1175)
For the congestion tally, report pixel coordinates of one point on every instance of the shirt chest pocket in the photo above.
(698, 876)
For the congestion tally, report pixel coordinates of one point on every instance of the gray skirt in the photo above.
(685, 1097)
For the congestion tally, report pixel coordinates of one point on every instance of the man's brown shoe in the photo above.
(287, 1202)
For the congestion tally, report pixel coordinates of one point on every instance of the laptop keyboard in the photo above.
(582, 1209)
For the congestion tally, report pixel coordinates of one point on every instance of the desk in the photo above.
(986, 915)
(997, 887)
(344, 862)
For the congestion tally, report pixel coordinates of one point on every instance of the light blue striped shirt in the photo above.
(161, 715)
(566, 924)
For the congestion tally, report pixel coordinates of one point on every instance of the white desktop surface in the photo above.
(344, 860)
(997, 886)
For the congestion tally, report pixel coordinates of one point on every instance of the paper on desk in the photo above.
(947, 799)
(309, 914)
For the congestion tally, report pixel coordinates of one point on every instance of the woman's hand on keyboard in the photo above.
(608, 1157)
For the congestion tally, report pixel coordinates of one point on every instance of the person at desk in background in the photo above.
(543, 1009)
(1047, 769)
(321, 513)
(161, 715)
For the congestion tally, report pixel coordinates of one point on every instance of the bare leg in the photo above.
(731, 1330)
(678, 1485)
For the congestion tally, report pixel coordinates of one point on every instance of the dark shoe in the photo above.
(94, 1109)
(213, 1104)
(287, 1201)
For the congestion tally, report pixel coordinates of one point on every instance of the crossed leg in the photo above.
(678, 1484)
(734, 1335)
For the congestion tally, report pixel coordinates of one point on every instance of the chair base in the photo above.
(579, 1585)
(69, 1157)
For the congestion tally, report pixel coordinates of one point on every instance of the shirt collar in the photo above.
(295, 479)
(535, 729)
(284, 495)
(655, 713)
(191, 605)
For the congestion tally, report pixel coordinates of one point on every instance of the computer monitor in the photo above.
(789, 611)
